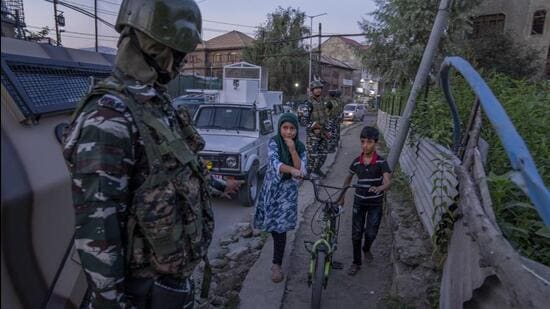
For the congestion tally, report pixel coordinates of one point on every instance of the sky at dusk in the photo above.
(218, 15)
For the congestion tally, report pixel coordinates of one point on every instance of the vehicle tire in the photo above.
(318, 280)
(249, 191)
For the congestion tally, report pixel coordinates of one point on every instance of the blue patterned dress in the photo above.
(277, 207)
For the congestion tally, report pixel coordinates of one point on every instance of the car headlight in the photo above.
(231, 162)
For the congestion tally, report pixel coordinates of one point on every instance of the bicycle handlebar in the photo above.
(343, 190)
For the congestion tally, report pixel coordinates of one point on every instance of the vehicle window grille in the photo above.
(50, 87)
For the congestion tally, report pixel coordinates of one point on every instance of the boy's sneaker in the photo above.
(353, 269)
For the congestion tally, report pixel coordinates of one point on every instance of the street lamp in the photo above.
(311, 41)
(296, 85)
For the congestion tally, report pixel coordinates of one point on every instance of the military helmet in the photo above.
(315, 84)
(174, 23)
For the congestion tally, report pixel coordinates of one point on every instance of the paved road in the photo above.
(371, 285)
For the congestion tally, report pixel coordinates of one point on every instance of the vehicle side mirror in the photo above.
(267, 127)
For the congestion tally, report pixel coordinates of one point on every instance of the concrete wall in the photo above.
(519, 20)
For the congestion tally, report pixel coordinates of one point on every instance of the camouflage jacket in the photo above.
(107, 159)
(318, 114)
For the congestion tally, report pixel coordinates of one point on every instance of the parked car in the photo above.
(190, 101)
(354, 112)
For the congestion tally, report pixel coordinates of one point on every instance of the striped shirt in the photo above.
(369, 174)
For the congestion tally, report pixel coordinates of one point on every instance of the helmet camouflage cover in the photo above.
(174, 23)
(315, 84)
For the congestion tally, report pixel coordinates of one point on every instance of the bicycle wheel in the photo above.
(318, 280)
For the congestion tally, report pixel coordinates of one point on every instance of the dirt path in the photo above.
(371, 285)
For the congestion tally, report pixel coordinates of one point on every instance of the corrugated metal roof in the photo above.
(229, 40)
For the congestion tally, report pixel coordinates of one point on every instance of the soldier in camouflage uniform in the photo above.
(140, 192)
(317, 130)
(334, 113)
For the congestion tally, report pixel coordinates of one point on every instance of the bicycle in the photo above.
(322, 250)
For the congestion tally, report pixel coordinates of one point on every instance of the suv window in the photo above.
(226, 118)
(266, 122)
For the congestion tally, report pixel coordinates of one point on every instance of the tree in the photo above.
(38, 35)
(278, 49)
(399, 31)
(498, 52)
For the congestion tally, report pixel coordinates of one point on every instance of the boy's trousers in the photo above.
(373, 214)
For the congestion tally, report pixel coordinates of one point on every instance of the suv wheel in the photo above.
(249, 191)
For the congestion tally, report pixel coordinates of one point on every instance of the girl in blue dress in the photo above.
(277, 207)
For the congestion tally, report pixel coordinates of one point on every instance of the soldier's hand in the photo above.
(232, 186)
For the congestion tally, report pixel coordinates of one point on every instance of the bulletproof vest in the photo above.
(178, 229)
(318, 112)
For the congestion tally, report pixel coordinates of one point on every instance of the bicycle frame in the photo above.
(327, 243)
(329, 236)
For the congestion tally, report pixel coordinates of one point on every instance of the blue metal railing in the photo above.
(515, 147)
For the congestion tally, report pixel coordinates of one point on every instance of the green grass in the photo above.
(528, 106)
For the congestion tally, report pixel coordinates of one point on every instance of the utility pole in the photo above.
(311, 43)
(95, 20)
(320, 70)
(439, 25)
(57, 34)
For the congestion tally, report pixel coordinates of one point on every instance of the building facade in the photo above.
(209, 58)
(348, 51)
(337, 75)
(527, 21)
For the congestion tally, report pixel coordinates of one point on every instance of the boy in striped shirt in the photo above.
(374, 174)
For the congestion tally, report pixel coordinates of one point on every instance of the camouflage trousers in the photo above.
(334, 129)
(316, 152)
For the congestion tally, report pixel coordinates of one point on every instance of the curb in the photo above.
(257, 289)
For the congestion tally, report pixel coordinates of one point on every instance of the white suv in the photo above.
(354, 112)
(236, 138)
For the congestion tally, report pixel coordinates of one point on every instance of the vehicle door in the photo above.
(267, 130)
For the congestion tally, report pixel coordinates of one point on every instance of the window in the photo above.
(218, 58)
(226, 118)
(232, 57)
(488, 24)
(538, 22)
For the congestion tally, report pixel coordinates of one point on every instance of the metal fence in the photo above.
(482, 269)
(426, 164)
